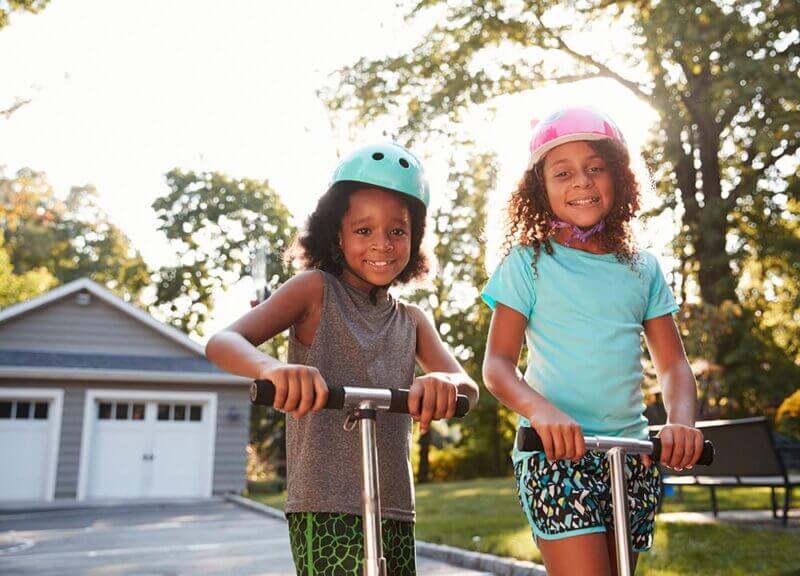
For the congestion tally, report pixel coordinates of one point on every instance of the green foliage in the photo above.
(271, 486)
(723, 77)
(771, 285)
(484, 438)
(215, 224)
(71, 238)
(682, 548)
(9, 6)
(20, 287)
(757, 373)
(787, 420)
(726, 139)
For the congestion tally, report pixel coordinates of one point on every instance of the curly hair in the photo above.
(529, 214)
(317, 247)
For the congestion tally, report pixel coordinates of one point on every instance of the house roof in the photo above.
(64, 365)
(108, 297)
(106, 361)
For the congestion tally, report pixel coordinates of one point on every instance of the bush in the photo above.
(271, 486)
(787, 419)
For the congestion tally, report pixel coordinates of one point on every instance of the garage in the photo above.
(101, 401)
(29, 427)
(141, 445)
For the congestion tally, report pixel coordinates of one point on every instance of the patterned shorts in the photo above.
(332, 544)
(565, 498)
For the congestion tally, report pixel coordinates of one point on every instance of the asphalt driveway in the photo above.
(207, 537)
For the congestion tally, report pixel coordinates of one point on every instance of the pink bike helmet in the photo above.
(569, 125)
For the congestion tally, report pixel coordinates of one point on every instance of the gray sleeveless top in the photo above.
(357, 344)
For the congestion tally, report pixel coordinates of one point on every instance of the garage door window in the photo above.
(23, 410)
(180, 412)
(120, 411)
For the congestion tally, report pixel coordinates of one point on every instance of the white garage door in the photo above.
(150, 448)
(29, 428)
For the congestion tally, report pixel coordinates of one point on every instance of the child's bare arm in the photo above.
(433, 396)
(561, 435)
(299, 389)
(681, 442)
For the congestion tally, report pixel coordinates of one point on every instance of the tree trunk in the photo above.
(424, 464)
(497, 463)
(716, 279)
(714, 274)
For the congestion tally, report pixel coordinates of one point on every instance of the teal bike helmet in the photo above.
(388, 166)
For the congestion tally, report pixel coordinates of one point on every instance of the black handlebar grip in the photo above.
(262, 392)
(706, 456)
(528, 440)
(399, 403)
(462, 406)
(335, 398)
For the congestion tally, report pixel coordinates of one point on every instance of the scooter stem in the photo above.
(619, 498)
(374, 562)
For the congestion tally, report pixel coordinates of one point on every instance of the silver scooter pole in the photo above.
(364, 413)
(362, 405)
(616, 449)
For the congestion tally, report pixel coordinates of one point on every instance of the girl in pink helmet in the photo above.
(573, 284)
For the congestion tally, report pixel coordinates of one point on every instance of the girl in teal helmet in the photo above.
(387, 167)
(346, 329)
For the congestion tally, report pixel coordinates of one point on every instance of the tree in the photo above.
(461, 318)
(215, 223)
(18, 288)
(723, 77)
(69, 238)
(6, 8)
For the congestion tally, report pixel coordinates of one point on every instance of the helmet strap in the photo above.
(577, 233)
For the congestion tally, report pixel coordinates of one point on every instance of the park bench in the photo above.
(747, 454)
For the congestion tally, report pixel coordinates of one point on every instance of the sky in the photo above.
(121, 92)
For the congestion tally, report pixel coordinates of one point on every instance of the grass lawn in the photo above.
(484, 515)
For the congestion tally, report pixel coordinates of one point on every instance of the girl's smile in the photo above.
(382, 264)
(375, 238)
(586, 201)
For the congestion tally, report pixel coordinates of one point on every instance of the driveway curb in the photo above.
(497, 565)
(8, 508)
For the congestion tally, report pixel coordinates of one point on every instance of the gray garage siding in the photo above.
(99, 328)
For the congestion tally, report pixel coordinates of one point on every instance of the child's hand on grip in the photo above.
(299, 389)
(561, 436)
(432, 397)
(681, 446)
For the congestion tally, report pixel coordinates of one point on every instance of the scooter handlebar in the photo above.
(528, 440)
(262, 392)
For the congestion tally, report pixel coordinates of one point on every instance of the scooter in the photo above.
(362, 405)
(615, 449)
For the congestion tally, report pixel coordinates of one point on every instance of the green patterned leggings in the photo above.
(332, 544)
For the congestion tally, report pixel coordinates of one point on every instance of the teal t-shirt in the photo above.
(585, 313)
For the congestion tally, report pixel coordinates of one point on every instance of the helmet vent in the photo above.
(403, 162)
(377, 156)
